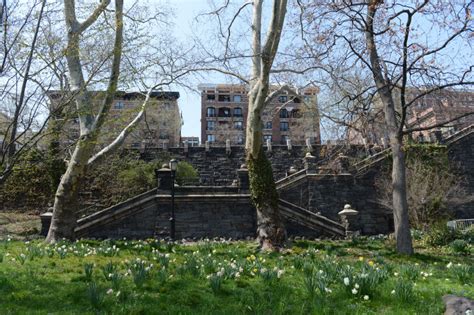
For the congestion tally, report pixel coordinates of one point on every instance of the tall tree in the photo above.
(270, 229)
(65, 203)
(407, 48)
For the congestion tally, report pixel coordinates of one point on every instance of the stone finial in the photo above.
(288, 144)
(269, 145)
(243, 166)
(349, 219)
(165, 165)
(292, 170)
(309, 155)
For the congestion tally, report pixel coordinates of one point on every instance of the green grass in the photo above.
(153, 277)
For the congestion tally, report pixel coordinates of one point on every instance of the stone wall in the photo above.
(217, 165)
(461, 157)
(207, 216)
(327, 194)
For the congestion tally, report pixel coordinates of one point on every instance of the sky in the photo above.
(189, 102)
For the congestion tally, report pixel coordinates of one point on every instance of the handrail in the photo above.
(310, 219)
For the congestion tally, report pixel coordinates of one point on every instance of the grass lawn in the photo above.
(362, 276)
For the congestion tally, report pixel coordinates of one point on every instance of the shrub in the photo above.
(440, 234)
(185, 172)
(460, 247)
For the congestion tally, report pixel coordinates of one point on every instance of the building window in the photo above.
(295, 113)
(237, 98)
(240, 139)
(284, 113)
(211, 97)
(237, 112)
(238, 125)
(284, 138)
(267, 137)
(284, 126)
(211, 138)
(211, 112)
(282, 98)
(135, 145)
(119, 105)
(224, 112)
(268, 125)
(224, 98)
(211, 125)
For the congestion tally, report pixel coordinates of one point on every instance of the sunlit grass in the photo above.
(362, 276)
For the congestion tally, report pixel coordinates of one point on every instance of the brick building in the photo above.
(429, 110)
(224, 114)
(160, 126)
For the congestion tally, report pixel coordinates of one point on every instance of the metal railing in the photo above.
(460, 224)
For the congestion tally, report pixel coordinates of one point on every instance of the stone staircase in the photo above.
(310, 219)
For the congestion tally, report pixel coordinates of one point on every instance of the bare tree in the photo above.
(65, 203)
(393, 42)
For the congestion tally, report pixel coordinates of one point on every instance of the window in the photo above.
(306, 98)
(211, 125)
(119, 105)
(284, 113)
(295, 113)
(211, 112)
(284, 126)
(224, 112)
(237, 98)
(211, 138)
(237, 112)
(240, 139)
(135, 145)
(284, 139)
(224, 98)
(268, 125)
(238, 125)
(282, 98)
(267, 137)
(211, 97)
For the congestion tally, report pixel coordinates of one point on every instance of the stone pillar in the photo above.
(343, 164)
(308, 144)
(350, 220)
(163, 177)
(243, 174)
(310, 164)
(45, 222)
(228, 150)
(186, 147)
(269, 145)
(288, 144)
(206, 146)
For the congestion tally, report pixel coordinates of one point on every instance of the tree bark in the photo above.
(271, 233)
(64, 218)
(399, 194)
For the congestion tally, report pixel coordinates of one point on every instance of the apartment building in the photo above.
(224, 110)
(159, 127)
(426, 111)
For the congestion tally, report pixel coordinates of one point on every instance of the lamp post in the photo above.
(173, 167)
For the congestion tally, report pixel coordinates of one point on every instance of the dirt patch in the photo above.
(19, 225)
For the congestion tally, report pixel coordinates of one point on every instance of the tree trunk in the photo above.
(271, 233)
(399, 195)
(64, 219)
